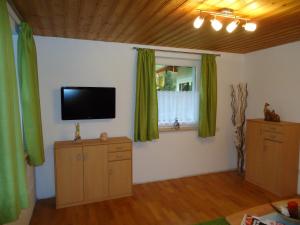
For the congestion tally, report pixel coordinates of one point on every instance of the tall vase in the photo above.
(239, 94)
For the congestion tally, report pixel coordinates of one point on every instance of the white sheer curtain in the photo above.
(182, 105)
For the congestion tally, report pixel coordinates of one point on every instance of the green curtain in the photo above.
(13, 188)
(30, 100)
(208, 97)
(146, 106)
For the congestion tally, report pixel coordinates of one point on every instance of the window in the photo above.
(177, 91)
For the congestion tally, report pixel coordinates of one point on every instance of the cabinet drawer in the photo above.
(272, 128)
(278, 137)
(119, 147)
(115, 156)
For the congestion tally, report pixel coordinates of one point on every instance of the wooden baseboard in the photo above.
(187, 176)
(58, 206)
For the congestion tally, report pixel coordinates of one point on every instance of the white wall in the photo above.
(273, 76)
(67, 62)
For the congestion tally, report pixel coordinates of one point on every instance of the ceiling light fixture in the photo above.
(225, 13)
(198, 22)
(216, 24)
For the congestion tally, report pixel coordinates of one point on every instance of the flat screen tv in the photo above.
(88, 103)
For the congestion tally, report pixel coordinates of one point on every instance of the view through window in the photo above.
(177, 94)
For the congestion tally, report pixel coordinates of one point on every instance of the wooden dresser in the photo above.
(92, 170)
(272, 156)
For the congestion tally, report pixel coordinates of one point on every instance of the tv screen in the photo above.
(88, 103)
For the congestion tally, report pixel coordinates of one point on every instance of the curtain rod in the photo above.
(174, 51)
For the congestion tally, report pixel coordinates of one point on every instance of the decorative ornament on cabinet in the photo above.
(270, 115)
(77, 132)
(103, 136)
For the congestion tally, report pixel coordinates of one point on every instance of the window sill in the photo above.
(172, 129)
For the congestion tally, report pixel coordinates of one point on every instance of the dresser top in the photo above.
(97, 141)
(273, 123)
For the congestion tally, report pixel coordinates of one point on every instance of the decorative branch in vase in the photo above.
(239, 94)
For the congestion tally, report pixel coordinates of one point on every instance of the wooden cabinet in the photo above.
(69, 175)
(95, 172)
(119, 177)
(272, 156)
(92, 170)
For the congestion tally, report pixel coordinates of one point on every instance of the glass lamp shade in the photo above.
(250, 27)
(232, 26)
(216, 24)
(198, 22)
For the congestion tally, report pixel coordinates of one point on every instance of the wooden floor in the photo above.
(182, 201)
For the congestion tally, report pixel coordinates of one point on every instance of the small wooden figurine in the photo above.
(270, 115)
(77, 132)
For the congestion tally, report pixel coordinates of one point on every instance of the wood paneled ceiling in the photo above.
(164, 22)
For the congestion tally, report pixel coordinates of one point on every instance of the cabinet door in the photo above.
(69, 175)
(95, 172)
(254, 148)
(120, 178)
(271, 165)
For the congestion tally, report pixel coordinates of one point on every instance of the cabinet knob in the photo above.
(85, 156)
(79, 157)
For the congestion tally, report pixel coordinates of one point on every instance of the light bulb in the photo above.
(232, 26)
(250, 26)
(198, 22)
(216, 24)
